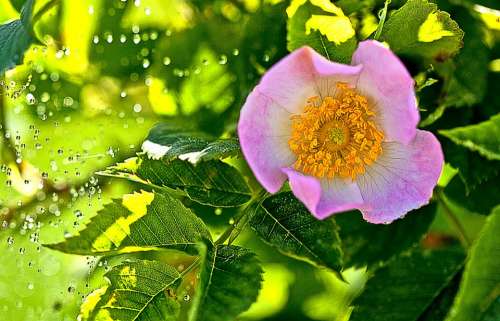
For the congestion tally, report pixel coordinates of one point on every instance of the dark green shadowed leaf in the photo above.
(169, 141)
(138, 291)
(418, 28)
(493, 311)
(283, 222)
(479, 199)
(468, 83)
(404, 288)
(439, 308)
(138, 222)
(483, 138)
(213, 183)
(15, 38)
(467, 162)
(230, 280)
(481, 280)
(368, 244)
(325, 28)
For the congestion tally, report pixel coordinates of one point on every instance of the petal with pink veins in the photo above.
(324, 197)
(387, 82)
(264, 130)
(401, 179)
(304, 74)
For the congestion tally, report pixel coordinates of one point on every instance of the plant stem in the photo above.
(49, 5)
(242, 218)
(382, 15)
(454, 220)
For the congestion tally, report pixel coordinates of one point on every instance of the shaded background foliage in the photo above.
(101, 74)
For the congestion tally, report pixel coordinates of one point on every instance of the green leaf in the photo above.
(483, 138)
(418, 28)
(212, 183)
(17, 4)
(15, 38)
(168, 141)
(468, 82)
(467, 162)
(480, 199)
(230, 280)
(407, 285)
(138, 291)
(139, 222)
(439, 308)
(481, 280)
(283, 222)
(322, 26)
(358, 236)
(493, 311)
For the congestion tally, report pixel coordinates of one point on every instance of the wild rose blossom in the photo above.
(345, 136)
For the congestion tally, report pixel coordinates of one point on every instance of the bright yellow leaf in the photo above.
(432, 29)
(336, 29)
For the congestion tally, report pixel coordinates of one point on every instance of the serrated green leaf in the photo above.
(169, 140)
(407, 285)
(368, 244)
(15, 38)
(283, 222)
(467, 162)
(322, 26)
(230, 280)
(483, 138)
(418, 28)
(138, 222)
(138, 291)
(212, 183)
(481, 280)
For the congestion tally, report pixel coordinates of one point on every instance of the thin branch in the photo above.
(49, 5)
(462, 234)
(382, 15)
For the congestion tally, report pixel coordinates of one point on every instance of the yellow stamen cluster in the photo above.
(335, 136)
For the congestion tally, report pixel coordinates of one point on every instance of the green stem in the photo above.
(382, 15)
(49, 5)
(452, 218)
(242, 218)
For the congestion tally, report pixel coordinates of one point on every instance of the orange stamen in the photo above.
(335, 136)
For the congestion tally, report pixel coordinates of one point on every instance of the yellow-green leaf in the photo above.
(139, 222)
(432, 29)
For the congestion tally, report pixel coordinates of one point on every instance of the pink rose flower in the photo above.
(344, 136)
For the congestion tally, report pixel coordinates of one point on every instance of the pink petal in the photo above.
(264, 130)
(324, 197)
(387, 82)
(402, 178)
(303, 74)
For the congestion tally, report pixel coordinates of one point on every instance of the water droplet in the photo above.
(186, 298)
(223, 60)
(30, 99)
(137, 108)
